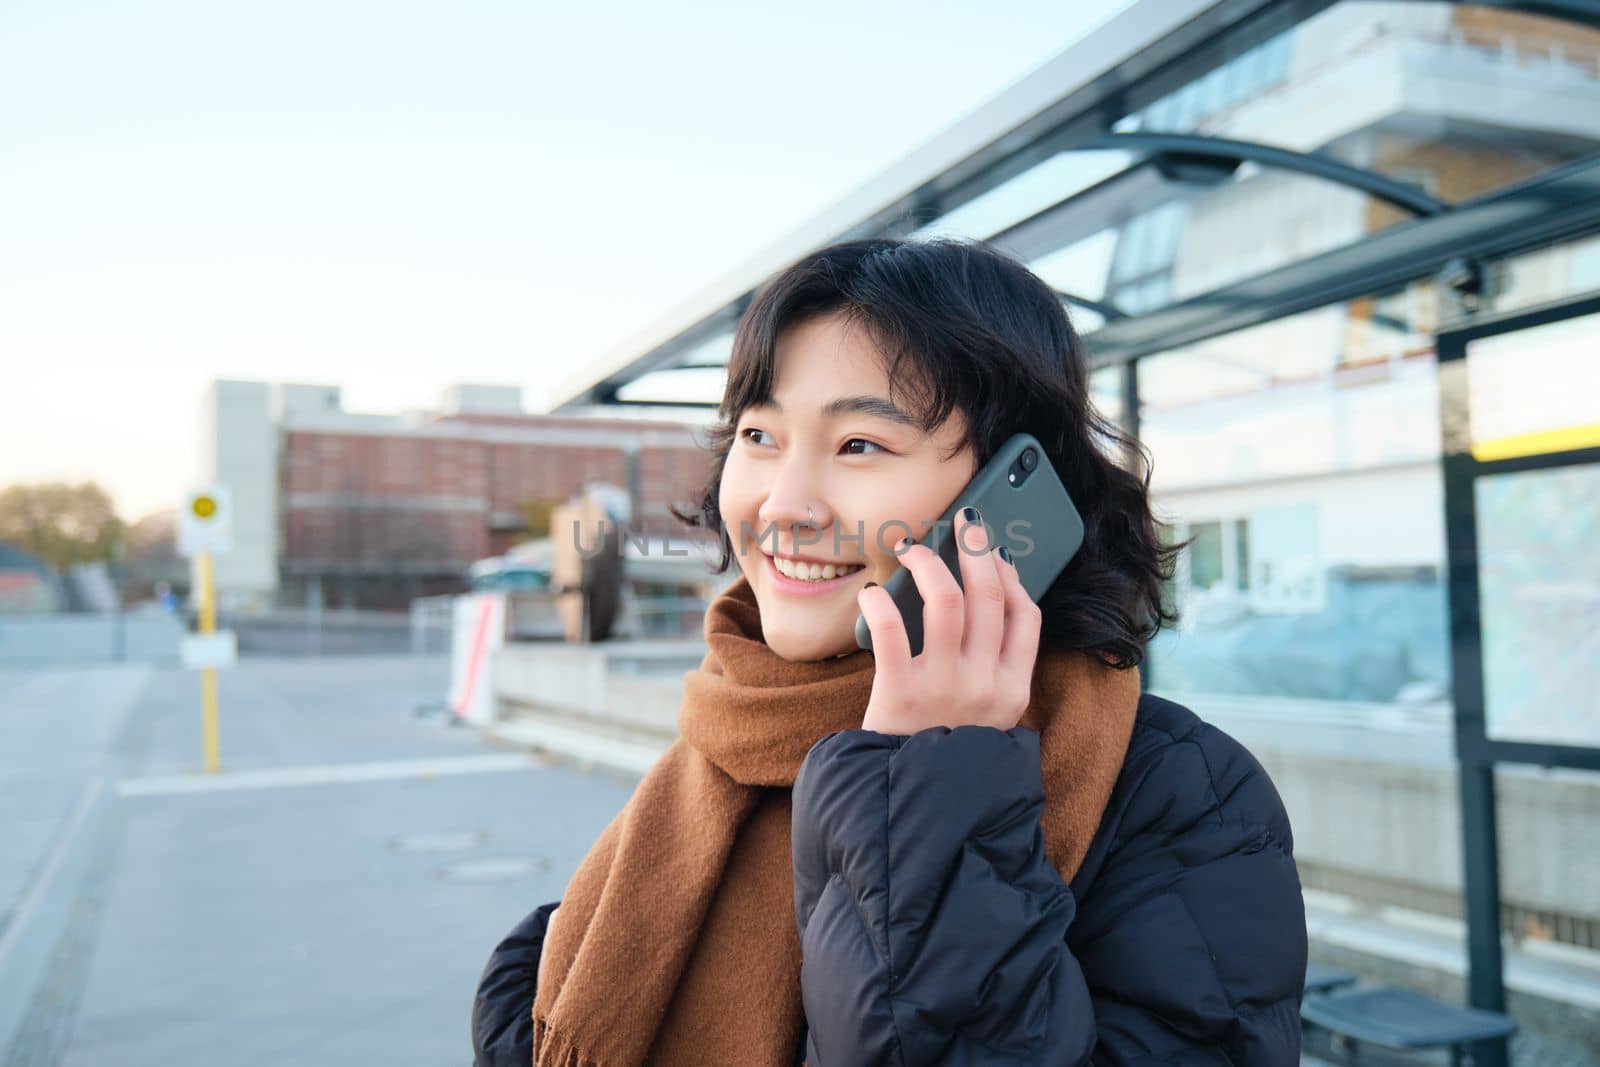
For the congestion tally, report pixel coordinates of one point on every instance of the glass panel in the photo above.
(1241, 545)
(1081, 268)
(1173, 240)
(1084, 320)
(1304, 455)
(701, 386)
(1312, 445)
(1287, 579)
(1261, 220)
(1536, 390)
(1170, 241)
(1345, 387)
(1456, 99)
(1105, 392)
(1546, 275)
(1030, 192)
(1539, 598)
(1459, 98)
(718, 349)
(699, 377)
(1205, 556)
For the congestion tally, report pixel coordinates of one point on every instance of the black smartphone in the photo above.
(1023, 506)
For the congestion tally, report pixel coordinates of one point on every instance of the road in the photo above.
(329, 898)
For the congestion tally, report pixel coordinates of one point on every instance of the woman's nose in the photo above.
(792, 510)
(793, 501)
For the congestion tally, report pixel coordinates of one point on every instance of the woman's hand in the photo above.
(980, 639)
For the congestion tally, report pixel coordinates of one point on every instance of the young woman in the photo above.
(998, 851)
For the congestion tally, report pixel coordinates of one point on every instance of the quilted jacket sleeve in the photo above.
(932, 925)
(935, 931)
(1191, 924)
(502, 1012)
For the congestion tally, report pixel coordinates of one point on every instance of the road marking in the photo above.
(326, 774)
(439, 842)
(586, 746)
(52, 864)
(40, 1038)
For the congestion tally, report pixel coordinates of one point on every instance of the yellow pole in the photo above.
(208, 675)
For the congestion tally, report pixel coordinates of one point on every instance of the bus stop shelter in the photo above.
(1205, 169)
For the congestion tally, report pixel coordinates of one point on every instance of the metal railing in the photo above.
(431, 621)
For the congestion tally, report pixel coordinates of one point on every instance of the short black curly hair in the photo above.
(982, 334)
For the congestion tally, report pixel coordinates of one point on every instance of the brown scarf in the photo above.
(676, 941)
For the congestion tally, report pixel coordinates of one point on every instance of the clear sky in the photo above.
(396, 196)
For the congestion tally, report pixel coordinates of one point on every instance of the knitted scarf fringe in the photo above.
(552, 1049)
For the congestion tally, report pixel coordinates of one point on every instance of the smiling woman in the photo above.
(997, 851)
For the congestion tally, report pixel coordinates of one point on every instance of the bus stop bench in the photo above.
(1401, 1019)
(1321, 978)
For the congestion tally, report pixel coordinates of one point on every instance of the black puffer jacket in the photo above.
(936, 932)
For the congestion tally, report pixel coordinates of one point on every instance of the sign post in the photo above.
(205, 528)
(208, 675)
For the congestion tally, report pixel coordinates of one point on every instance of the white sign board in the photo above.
(478, 629)
(205, 522)
(197, 651)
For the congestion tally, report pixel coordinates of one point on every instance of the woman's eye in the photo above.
(855, 446)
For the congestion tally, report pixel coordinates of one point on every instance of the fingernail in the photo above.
(1004, 554)
(970, 514)
(869, 585)
(902, 544)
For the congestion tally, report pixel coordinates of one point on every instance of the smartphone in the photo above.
(1023, 505)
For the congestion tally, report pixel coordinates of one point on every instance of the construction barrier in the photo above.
(479, 628)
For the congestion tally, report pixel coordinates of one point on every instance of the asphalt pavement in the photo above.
(329, 897)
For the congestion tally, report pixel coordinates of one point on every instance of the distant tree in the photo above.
(60, 523)
(151, 561)
(153, 539)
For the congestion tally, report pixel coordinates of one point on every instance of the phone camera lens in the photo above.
(1029, 459)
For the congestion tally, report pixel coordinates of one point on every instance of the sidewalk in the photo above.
(330, 897)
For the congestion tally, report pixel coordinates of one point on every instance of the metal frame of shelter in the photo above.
(1477, 750)
(1070, 104)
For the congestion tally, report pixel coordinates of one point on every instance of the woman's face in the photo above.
(832, 440)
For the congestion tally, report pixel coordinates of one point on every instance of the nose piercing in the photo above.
(809, 519)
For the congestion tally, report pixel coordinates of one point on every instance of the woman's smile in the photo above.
(799, 578)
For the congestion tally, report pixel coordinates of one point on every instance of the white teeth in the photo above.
(813, 572)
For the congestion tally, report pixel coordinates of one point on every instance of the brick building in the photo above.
(369, 510)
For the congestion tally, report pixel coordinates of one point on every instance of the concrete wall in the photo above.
(1371, 792)
(240, 451)
(625, 689)
(32, 641)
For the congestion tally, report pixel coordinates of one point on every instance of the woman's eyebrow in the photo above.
(876, 406)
